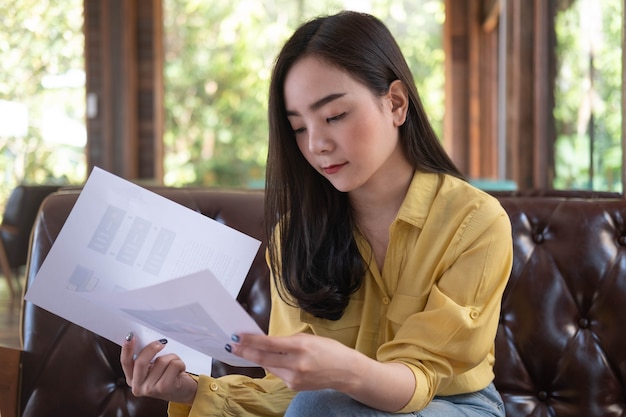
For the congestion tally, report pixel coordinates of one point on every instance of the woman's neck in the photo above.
(376, 207)
(383, 197)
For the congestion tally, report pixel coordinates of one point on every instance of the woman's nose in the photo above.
(319, 142)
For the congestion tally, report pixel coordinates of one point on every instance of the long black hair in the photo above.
(310, 226)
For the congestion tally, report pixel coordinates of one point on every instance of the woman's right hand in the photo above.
(162, 377)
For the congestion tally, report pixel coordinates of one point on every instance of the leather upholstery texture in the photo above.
(19, 214)
(560, 348)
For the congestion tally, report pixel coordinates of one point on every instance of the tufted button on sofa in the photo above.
(560, 347)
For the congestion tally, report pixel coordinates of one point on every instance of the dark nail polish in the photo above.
(228, 348)
(163, 341)
(235, 338)
(129, 336)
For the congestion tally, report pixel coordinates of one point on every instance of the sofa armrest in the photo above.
(10, 370)
(9, 228)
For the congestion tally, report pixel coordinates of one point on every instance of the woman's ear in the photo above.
(399, 98)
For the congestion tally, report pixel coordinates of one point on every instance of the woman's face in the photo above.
(349, 135)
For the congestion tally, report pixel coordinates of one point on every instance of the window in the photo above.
(42, 93)
(588, 94)
(218, 59)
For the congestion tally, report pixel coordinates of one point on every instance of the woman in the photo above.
(388, 269)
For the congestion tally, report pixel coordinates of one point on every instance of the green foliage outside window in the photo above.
(42, 93)
(588, 96)
(218, 59)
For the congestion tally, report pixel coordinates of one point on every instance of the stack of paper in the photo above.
(128, 260)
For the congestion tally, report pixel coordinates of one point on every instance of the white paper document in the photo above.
(129, 260)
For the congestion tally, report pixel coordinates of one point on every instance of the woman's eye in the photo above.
(336, 118)
(299, 130)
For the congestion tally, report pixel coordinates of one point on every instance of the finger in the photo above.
(162, 376)
(268, 360)
(165, 365)
(269, 344)
(144, 361)
(126, 357)
(272, 354)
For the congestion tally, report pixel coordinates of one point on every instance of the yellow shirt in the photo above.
(434, 306)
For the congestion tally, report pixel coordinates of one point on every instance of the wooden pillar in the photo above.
(476, 152)
(544, 82)
(520, 113)
(530, 95)
(457, 95)
(486, 151)
(471, 122)
(470, 125)
(124, 61)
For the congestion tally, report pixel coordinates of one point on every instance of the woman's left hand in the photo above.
(303, 361)
(307, 362)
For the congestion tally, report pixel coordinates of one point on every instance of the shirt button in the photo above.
(214, 386)
(474, 314)
(385, 300)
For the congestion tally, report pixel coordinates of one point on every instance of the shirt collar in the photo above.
(419, 198)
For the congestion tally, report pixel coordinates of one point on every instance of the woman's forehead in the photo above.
(310, 80)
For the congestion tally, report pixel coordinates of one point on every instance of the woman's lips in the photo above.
(332, 169)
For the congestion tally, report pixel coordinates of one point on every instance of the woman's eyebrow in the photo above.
(319, 103)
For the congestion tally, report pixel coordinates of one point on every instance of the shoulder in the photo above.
(445, 194)
(446, 202)
(478, 216)
(460, 194)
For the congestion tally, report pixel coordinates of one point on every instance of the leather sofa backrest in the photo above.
(560, 348)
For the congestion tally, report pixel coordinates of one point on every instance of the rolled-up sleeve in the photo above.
(236, 395)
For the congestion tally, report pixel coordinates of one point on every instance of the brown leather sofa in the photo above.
(19, 215)
(561, 344)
